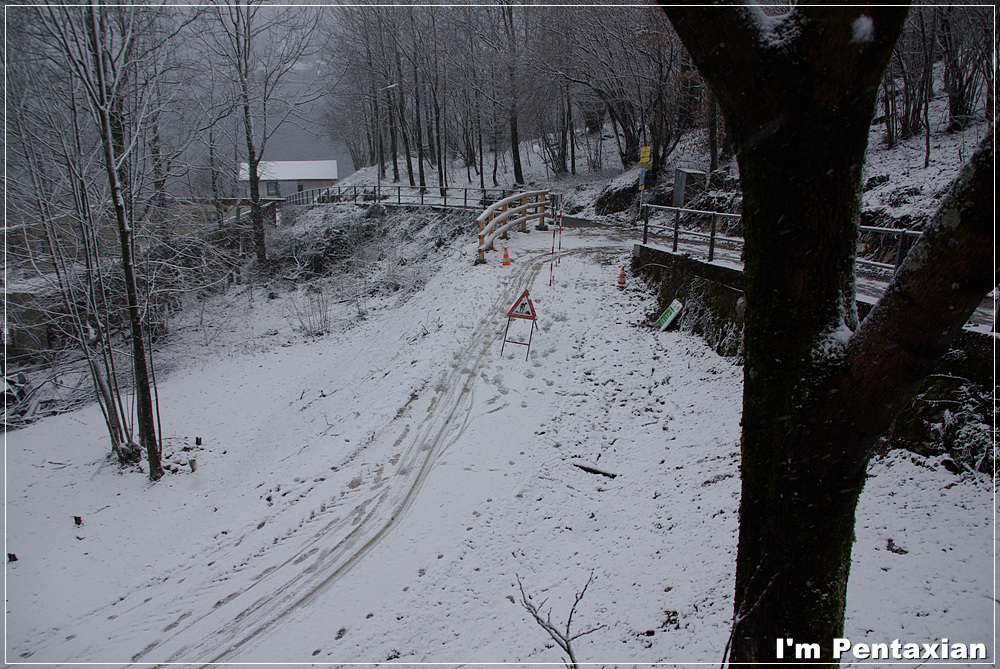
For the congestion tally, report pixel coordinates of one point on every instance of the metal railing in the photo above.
(677, 211)
(902, 245)
(903, 237)
(448, 197)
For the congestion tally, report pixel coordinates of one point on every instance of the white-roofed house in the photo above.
(281, 178)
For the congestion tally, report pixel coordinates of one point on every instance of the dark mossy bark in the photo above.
(801, 204)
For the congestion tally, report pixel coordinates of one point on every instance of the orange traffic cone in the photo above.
(506, 258)
(621, 278)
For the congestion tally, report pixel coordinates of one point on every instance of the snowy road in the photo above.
(217, 618)
(378, 504)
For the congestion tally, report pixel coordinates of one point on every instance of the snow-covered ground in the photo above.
(375, 494)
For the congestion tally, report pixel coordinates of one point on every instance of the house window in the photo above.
(273, 189)
(301, 187)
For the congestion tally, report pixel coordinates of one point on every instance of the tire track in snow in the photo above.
(296, 582)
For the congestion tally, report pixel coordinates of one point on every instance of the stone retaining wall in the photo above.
(714, 307)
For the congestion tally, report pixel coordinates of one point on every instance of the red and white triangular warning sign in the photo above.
(523, 308)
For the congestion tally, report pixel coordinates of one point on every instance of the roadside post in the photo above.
(645, 163)
(559, 259)
(552, 257)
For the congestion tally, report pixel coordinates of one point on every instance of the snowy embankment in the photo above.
(376, 493)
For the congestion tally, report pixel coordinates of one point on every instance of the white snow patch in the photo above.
(863, 29)
(774, 30)
(832, 344)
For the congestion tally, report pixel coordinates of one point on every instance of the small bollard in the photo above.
(197, 441)
(193, 464)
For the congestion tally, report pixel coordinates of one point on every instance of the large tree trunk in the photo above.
(799, 103)
(818, 387)
(800, 217)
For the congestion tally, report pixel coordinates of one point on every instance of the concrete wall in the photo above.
(712, 295)
(714, 308)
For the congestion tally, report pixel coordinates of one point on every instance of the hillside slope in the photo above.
(375, 493)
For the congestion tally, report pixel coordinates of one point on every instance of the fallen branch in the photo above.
(592, 469)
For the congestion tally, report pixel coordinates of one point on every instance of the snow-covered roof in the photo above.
(292, 170)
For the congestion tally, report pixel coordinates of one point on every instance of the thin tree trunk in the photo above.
(512, 104)
(928, 82)
(889, 108)
(959, 106)
(429, 125)
(479, 134)
(515, 141)
(392, 139)
(220, 212)
(253, 163)
(713, 141)
(144, 404)
(402, 120)
(419, 130)
(572, 132)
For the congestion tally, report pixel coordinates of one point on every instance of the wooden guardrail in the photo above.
(507, 213)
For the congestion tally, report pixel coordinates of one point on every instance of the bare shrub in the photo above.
(311, 315)
(564, 638)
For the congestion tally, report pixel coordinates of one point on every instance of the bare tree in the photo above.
(912, 67)
(630, 61)
(964, 36)
(260, 47)
(513, 58)
(52, 209)
(116, 56)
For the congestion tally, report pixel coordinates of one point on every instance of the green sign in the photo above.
(664, 321)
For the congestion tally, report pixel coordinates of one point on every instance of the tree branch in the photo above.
(943, 280)
(721, 53)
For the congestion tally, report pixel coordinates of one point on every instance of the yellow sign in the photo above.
(645, 156)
